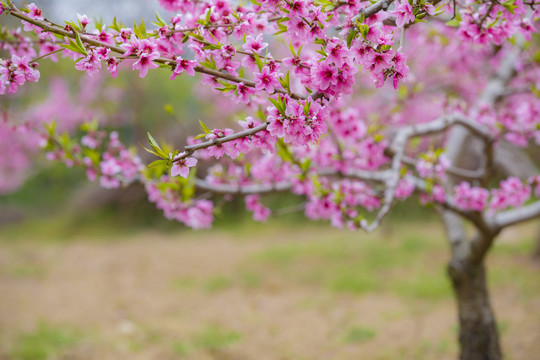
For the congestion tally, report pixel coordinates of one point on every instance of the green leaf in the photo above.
(90, 126)
(209, 63)
(282, 29)
(211, 47)
(453, 23)
(159, 20)
(307, 106)
(99, 24)
(51, 128)
(279, 104)
(152, 140)
(351, 37)
(364, 30)
(168, 109)
(204, 127)
(509, 5)
(142, 28)
(116, 25)
(80, 43)
(158, 163)
(285, 82)
(195, 36)
(291, 47)
(74, 47)
(258, 61)
(92, 155)
(155, 146)
(283, 151)
(151, 151)
(306, 164)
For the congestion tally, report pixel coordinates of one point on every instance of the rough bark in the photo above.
(478, 336)
(536, 253)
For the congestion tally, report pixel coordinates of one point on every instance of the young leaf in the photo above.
(80, 44)
(204, 127)
(351, 37)
(158, 163)
(159, 20)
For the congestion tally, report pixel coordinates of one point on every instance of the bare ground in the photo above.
(190, 296)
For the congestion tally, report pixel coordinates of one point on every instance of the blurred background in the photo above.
(89, 273)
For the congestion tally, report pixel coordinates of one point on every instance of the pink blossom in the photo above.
(183, 65)
(145, 62)
(112, 66)
(181, 166)
(260, 212)
(243, 93)
(104, 36)
(404, 189)
(377, 62)
(512, 193)
(266, 80)
(34, 12)
(84, 20)
(170, 5)
(403, 13)
(26, 69)
(470, 198)
(90, 63)
(324, 75)
(254, 44)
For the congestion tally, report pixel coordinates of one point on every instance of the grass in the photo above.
(359, 334)
(27, 271)
(214, 338)
(218, 283)
(412, 267)
(46, 342)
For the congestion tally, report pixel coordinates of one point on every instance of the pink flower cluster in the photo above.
(339, 202)
(298, 124)
(197, 214)
(146, 51)
(18, 144)
(486, 23)
(260, 212)
(15, 72)
(512, 192)
(470, 198)
(117, 166)
(432, 165)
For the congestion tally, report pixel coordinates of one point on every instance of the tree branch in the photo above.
(190, 149)
(515, 216)
(86, 39)
(242, 189)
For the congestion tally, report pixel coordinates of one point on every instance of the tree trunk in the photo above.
(478, 336)
(536, 253)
